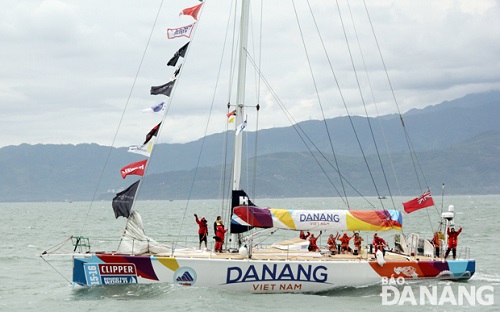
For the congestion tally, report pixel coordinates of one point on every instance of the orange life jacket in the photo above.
(345, 240)
(357, 241)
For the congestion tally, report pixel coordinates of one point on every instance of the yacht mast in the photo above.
(240, 92)
(240, 102)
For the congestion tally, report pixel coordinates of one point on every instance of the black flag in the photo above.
(152, 133)
(177, 71)
(181, 52)
(122, 203)
(165, 89)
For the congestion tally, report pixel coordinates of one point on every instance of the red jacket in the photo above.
(453, 238)
(312, 243)
(220, 231)
(203, 226)
(303, 236)
(378, 242)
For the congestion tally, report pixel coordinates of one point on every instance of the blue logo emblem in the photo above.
(185, 276)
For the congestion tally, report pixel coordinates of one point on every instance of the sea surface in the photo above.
(28, 283)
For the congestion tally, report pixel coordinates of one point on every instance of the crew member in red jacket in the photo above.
(379, 244)
(304, 236)
(219, 235)
(203, 230)
(452, 241)
(312, 242)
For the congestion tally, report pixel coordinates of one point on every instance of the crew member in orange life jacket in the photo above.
(436, 241)
(357, 242)
(332, 243)
(344, 240)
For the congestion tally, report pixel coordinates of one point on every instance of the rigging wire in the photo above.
(206, 125)
(412, 151)
(56, 270)
(319, 98)
(376, 108)
(410, 146)
(362, 99)
(303, 136)
(364, 105)
(254, 183)
(225, 183)
(338, 87)
(121, 118)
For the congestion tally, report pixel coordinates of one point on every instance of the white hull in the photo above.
(238, 273)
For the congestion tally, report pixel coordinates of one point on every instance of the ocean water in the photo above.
(28, 283)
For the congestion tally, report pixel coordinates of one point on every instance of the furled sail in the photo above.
(134, 241)
(331, 220)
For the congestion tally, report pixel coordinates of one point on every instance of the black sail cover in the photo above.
(122, 203)
(240, 198)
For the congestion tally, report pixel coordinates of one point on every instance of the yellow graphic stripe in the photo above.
(284, 217)
(170, 263)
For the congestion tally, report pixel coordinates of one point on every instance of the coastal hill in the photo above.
(457, 143)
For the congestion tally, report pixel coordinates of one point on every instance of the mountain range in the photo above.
(456, 142)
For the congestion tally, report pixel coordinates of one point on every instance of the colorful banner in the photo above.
(331, 220)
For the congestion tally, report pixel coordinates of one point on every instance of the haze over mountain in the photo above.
(457, 142)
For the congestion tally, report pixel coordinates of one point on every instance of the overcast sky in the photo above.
(67, 67)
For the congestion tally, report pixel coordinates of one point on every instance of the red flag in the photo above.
(193, 11)
(424, 200)
(136, 168)
(231, 113)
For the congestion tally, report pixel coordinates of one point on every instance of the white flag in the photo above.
(241, 127)
(155, 109)
(184, 31)
(143, 149)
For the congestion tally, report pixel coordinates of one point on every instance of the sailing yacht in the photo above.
(281, 267)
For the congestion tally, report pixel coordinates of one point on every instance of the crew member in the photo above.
(357, 243)
(332, 243)
(379, 244)
(344, 241)
(215, 223)
(304, 236)
(202, 231)
(219, 234)
(452, 241)
(436, 241)
(312, 242)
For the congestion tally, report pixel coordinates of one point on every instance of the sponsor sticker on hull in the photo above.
(110, 273)
(185, 276)
(278, 278)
